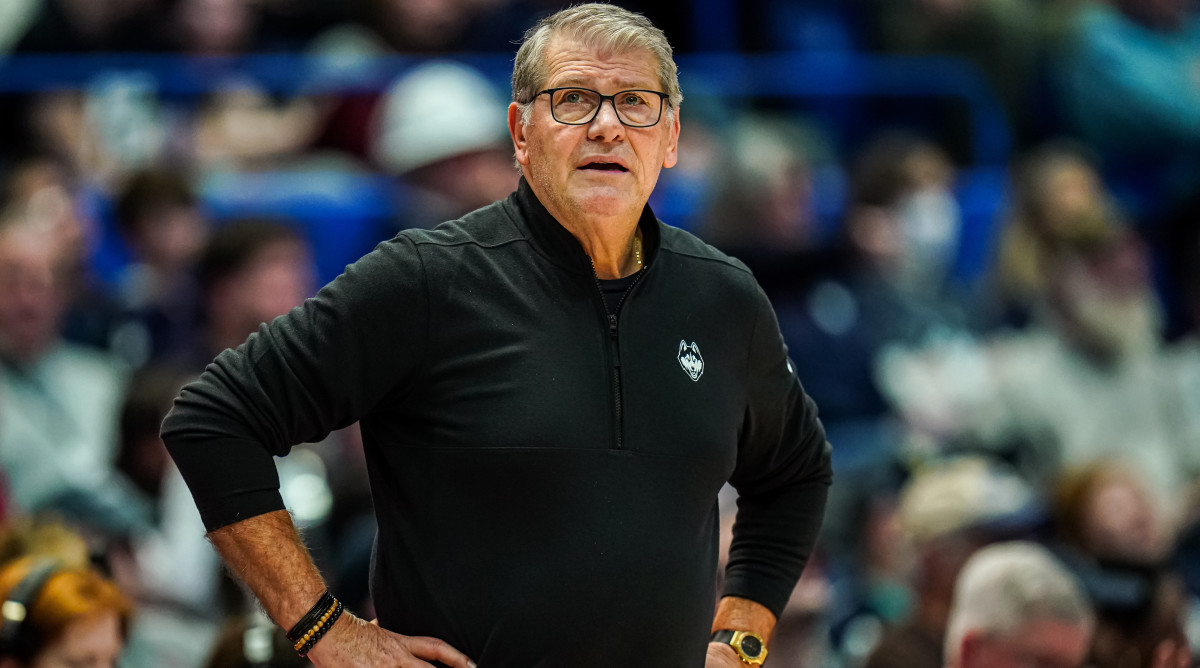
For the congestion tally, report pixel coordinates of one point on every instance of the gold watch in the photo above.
(749, 646)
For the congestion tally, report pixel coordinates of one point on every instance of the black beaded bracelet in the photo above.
(309, 620)
(320, 630)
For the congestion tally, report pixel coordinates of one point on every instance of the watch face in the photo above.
(751, 646)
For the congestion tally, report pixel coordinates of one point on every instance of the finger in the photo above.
(439, 650)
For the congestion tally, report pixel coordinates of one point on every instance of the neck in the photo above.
(614, 255)
(611, 241)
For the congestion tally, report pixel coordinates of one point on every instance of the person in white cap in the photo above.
(440, 129)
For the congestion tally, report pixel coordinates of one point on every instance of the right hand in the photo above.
(352, 642)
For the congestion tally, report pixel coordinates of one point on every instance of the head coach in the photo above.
(551, 391)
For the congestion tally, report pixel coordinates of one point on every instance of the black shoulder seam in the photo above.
(425, 356)
(727, 261)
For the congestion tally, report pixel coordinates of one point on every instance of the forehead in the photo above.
(570, 62)
(1053, 642)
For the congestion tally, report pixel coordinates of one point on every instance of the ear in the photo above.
(672, 156)
(516, 128)
(969, 650)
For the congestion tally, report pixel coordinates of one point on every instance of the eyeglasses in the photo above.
(578, 106)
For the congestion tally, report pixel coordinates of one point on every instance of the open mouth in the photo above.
(604, 167)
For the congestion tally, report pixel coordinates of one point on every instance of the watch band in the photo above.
(750, 647)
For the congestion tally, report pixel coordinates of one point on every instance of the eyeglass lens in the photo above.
(579, 105)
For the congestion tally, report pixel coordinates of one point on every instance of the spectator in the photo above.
(73, 615)
(58, 432)
(765, 201)
(173, 569)
(1059, 201)
(1015, 605)
(160, 219)
(1118, 543)
(887, 284)
(440, 127)
(250, 272)
(1088, 379)
(947, 512)
(43, 191)
(903, 219)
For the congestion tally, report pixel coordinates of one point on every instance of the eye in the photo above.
(572, 97)
(632, 100)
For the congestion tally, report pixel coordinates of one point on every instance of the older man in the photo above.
(1015, 605)
(552, 390)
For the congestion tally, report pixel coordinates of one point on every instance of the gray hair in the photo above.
(596, 26)
(1002, 586)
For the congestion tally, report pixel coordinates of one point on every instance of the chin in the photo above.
(604, 201)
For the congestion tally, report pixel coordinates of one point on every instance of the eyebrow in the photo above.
(579, 82)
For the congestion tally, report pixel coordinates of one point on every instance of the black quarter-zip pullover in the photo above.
(544, 476)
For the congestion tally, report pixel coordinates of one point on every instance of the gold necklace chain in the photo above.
(637, 247)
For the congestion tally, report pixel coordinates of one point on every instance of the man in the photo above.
(552, 390)
(58, 400)
(1014, 606)
(437, 130)
(947, 511)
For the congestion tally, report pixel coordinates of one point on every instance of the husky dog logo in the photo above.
(690, 359)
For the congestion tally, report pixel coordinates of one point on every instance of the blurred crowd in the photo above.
(1003, 338)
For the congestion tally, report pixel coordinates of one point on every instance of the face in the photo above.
(90, 642)
(171, 238)
(30, 293)
(1036, 644)
(216, 26)
(601, 170)
(1119, 521)
(278, 278)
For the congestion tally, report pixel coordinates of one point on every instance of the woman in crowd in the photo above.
(60, 616)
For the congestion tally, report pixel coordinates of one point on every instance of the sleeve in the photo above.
(782, 475)
(318, 368)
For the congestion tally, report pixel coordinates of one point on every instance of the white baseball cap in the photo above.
(435, 111)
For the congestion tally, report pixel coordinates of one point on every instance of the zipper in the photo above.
(614, 349)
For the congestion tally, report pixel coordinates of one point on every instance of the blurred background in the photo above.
(978, 220)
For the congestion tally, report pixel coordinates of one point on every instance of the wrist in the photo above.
(328, 647)
(749, 647)
(315, 624)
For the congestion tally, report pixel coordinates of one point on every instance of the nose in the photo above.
(606, 126)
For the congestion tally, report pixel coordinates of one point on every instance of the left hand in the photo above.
(722, 656)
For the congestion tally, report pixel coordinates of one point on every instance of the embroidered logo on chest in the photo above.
(690, 359)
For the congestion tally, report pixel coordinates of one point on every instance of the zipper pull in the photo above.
(612, 325)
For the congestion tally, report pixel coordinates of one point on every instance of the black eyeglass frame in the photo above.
(612, 100)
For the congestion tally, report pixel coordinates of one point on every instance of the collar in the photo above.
(558, 244)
